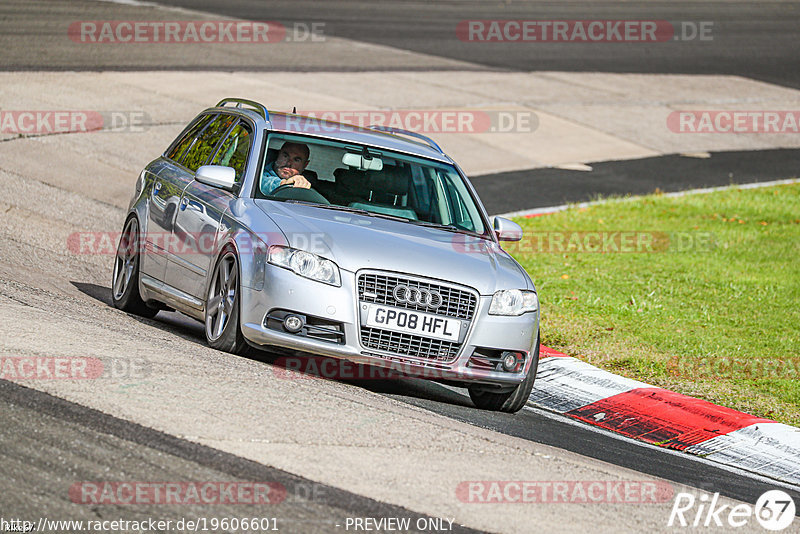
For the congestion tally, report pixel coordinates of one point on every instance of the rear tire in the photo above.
(125, 277)
(222, 307)
(510, 401)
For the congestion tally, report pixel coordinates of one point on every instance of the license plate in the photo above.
(413, 322)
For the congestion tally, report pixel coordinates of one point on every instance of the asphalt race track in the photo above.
(341, 449)
(537, 426)
(759, 39)
(38, 427)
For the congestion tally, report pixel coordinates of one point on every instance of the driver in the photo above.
(287, 168)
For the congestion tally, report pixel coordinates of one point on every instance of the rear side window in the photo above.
(235, 148)
(186, 141)
(203, 147)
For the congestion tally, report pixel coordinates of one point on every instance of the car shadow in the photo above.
(101, 293)
(293, 365)
(298, 366)
(170, 321)
(421, 389)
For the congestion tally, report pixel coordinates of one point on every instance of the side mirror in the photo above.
(507, 230)
(217, 176)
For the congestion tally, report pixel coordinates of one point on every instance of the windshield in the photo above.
(370, 181)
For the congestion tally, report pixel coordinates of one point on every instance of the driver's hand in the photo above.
(297, 180)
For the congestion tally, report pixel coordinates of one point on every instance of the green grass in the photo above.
(712, 312)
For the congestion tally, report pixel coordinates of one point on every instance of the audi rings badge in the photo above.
(416, 296)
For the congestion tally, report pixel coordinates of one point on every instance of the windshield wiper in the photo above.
(446, 227)
(348, 209)
(361, 211)
(326, 206)
(295, 201)
(437, 225)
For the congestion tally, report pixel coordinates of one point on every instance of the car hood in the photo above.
(357, 241)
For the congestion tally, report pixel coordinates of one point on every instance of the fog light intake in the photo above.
(509, 361)
(293, 323)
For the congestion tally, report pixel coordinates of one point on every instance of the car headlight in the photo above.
(513, 302)
(305, 264)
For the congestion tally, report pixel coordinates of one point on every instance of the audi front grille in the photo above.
(410, 345)
(378, 288)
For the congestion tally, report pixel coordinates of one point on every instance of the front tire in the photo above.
(510, 401)
(222, 307)
(125, 278)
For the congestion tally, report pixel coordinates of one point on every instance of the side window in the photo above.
(203, 147)
(460, 214)
(235, 148)
(186, 141)
(422, 186)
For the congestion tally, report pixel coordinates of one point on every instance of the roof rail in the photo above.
(425, 138)
(239, 101)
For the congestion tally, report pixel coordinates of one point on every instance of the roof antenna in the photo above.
(294, 110)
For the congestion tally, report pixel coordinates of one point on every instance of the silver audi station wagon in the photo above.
(388, 259)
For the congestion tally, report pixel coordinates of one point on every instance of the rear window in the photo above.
(180, 147)
(235, 148)
(203, 147)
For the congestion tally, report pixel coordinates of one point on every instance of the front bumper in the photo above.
(284, 290)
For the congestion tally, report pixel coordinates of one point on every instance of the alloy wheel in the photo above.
(221, 296)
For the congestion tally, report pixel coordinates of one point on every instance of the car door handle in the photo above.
(184, 203)
(156, 188)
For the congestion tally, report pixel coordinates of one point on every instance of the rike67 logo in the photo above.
(774, 510)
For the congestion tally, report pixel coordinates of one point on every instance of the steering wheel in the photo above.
(298, 193)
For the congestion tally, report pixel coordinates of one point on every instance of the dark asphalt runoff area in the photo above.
(753, 39)
(538, 188)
